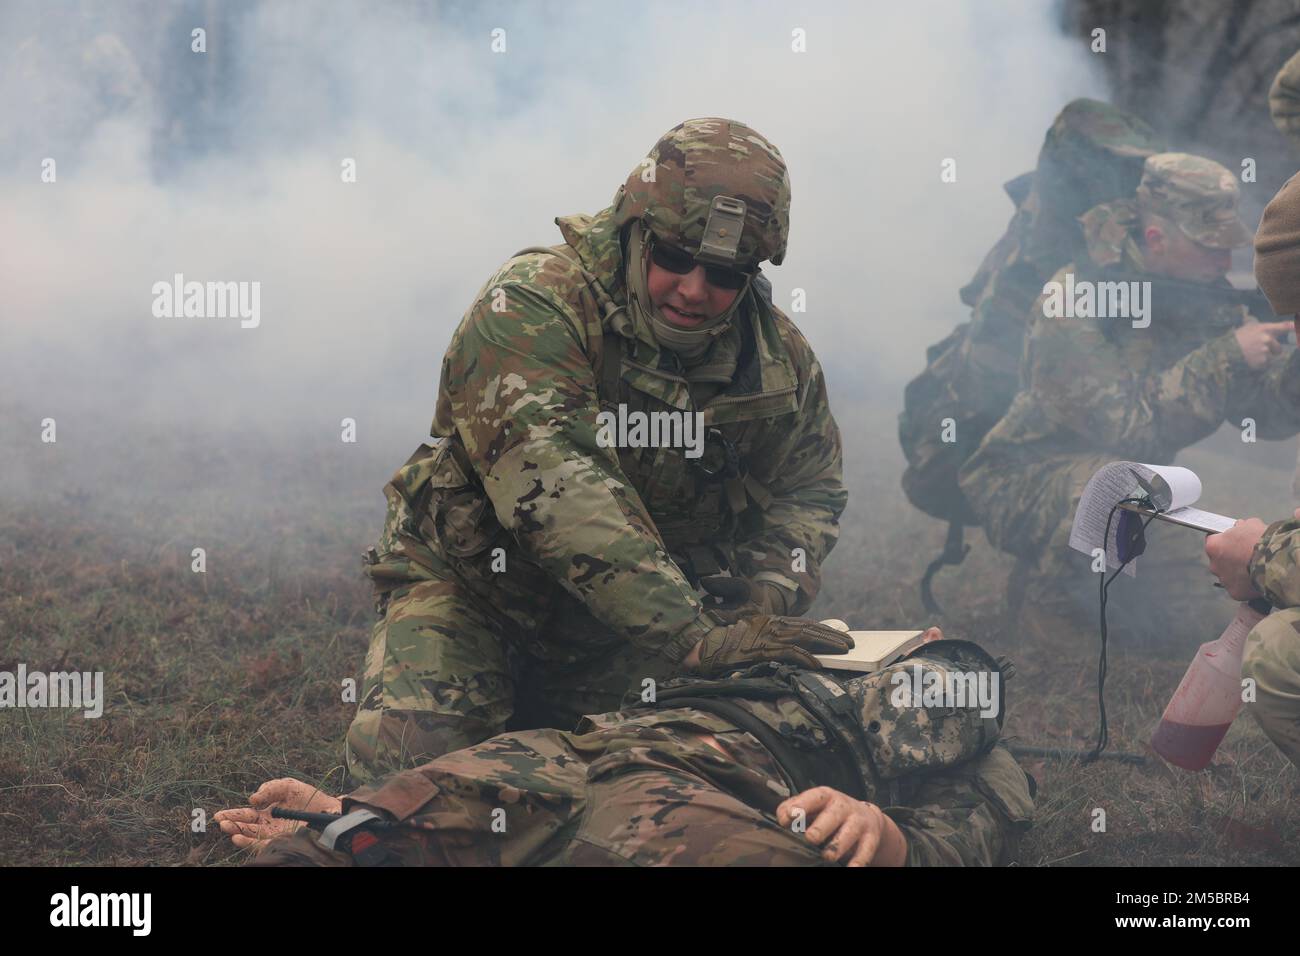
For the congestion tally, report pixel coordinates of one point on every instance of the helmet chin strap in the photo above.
(689, 344)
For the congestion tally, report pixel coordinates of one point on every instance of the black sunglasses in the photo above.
(680, 263)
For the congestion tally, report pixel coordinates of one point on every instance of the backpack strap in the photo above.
(802, 770)
(797, 770)
(833, 706)
(750, 688)
(612, 365)
(954, 552)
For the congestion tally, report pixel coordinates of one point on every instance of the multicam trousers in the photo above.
(1272, 660)
(455, 661)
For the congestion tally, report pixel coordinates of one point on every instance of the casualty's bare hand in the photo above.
(1229, 553)
(253, 825)
(849, 831)
(933, 634)
(1259, 341)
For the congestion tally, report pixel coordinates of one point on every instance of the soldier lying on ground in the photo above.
(536, 564)
(771, 765)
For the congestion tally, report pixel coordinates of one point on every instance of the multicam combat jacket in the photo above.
(517, 463)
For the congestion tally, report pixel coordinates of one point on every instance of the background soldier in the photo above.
(1092, 153)
(1284, 107)
(1098, 389)
(718, 773)
(1253, 560)
(529, 574)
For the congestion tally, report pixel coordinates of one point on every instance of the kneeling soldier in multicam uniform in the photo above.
(531, 570)
(772, 765)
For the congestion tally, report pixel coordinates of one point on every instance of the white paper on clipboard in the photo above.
(1176, 490)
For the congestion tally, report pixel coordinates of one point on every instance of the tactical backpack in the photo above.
(1092, 154)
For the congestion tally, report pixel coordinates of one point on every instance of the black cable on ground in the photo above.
(1103, 730)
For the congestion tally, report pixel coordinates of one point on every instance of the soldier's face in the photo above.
(1170, 253)
(686, 300)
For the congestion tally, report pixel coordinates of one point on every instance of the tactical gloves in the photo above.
(764, 637)
(732, 598)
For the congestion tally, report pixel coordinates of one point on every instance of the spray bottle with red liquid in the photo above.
(1209, 697)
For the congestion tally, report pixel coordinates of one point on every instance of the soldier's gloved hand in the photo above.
(765, 637)
(733, 598)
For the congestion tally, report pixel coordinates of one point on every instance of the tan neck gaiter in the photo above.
(691, 345)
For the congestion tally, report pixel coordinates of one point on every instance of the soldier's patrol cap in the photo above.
(1197, 195)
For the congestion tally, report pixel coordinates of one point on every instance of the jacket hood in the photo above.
(595, 239)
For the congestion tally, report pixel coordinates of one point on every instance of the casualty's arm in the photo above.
(972, 815)
(849, 831)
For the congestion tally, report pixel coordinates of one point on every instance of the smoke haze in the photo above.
(225, 166)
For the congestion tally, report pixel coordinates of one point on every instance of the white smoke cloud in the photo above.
(225, 166)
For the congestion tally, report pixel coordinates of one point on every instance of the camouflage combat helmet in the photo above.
(704, 180)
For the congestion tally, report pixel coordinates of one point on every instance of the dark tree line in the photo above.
(1200, 71)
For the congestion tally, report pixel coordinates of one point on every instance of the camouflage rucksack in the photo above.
(1092, 154)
